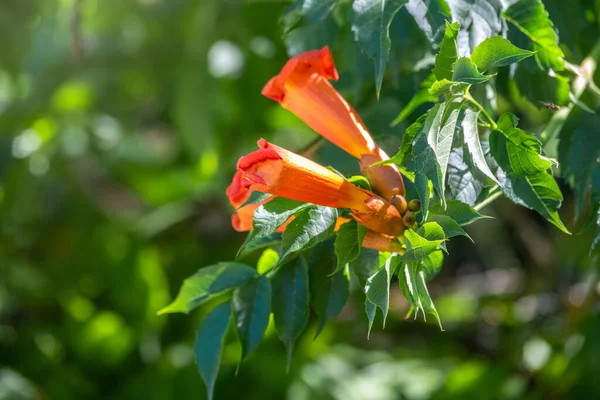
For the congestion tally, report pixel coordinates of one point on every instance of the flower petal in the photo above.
(280, 172)
(303, 88)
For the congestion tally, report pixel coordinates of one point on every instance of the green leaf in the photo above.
(424, 192)
(519, 152)
(254, 243)
(423, 242)
(412, 278)
(267, 261)
(407, 141)
(209, 281)
(377, 288)
(270, 216)
(451, 227)
(209, 344)
(290, 302)
(472, 146)
(422, 96)
(448, 52)
(507, 121)
(479, 19)
(433, 144)
(255, 198)
(462, 184)
(432, 264)
(328, 289)
(371, 311)
(447, 88)
(430, 16)
(365, 265)
(311, 226)
(462, 213)
(497, 52)
(348, 243)
(252, 307)
(360, 181)
(371, 20)
(465, 71)
(537, 192)
(531, 18)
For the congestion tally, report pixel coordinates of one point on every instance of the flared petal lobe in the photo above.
(303, 88)
(236, 192)
(280, 172)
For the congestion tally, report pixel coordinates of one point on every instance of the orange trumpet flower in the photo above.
(303, 87)
(280, 172)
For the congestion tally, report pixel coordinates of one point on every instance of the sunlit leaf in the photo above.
(270, 216)
(465, 71)
(209, 281)
(424, 192)
(310, 226)
(479, 19)
(519, 152)
(432, 146)
(497, 52)
(531, 18)
(371, 311)
(412, 278)
(424, 241)
(472, 149)
(377, 288)
(447, 88)
(430, 16)
(462, 184)
(448, 53)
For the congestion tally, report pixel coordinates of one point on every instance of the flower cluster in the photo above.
(303, 87)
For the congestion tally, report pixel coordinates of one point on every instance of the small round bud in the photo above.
(399, 202)
(408, 219)
(414, 205)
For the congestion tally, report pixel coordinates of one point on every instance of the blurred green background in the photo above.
(120, 125)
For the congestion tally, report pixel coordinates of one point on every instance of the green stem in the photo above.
(494, 194)
(480, 108)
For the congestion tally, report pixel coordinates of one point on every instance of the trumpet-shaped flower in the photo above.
(303, 87)
(280, 172)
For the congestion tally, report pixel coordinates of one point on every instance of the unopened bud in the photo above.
(414, 205)
(408, 219)
(399, 202)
